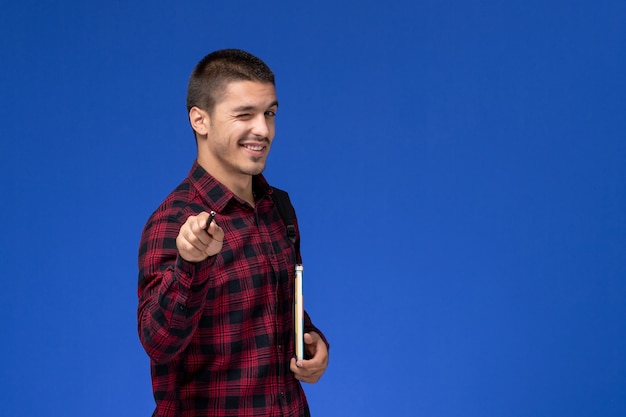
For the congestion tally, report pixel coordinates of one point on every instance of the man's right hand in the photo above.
(195, 243)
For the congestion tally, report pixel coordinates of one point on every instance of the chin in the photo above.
(254, 170)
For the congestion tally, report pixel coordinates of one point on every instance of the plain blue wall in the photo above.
(459, 171)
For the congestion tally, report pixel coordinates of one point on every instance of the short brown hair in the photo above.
(211, 75)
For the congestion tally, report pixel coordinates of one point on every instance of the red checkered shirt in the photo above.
(219, 333)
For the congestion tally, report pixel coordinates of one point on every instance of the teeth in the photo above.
(254, 148)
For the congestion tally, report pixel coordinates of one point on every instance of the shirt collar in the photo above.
(216, 194)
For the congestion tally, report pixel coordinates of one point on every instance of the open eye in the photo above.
(270, 113)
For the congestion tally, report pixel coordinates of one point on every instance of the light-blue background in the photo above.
(459, 171)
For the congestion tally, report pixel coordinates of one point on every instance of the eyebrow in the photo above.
(249, 108)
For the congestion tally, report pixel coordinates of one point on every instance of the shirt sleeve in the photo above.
(171, 294)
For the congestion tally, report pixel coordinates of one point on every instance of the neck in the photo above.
(240, 185)
(242, 189)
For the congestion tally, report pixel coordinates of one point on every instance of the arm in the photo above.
(171, 291)
(316, 346)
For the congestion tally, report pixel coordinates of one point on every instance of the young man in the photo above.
(216, 295)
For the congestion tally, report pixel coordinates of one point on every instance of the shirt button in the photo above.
(280, 347)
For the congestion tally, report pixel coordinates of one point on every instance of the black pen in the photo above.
(208, 223)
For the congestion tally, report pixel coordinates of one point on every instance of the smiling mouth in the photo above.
(255, 148)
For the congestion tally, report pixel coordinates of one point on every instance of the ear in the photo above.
(199, 120)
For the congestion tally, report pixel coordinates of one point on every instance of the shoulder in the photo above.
(177, 206)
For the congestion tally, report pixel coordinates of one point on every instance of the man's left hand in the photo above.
(311, 370)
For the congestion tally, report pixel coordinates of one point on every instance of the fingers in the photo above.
(214, 231)
(307, 370)
(311, 370)
(313, 343)
(196, 241)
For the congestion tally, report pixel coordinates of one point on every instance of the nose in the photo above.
(260, 127)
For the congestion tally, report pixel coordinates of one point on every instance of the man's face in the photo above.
(240, 130)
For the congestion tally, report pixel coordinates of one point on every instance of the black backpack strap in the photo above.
(287, 213)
